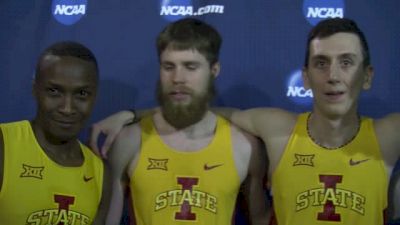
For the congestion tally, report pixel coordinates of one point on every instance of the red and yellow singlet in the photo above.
(38, 191)
(171, 187)
(317, 186)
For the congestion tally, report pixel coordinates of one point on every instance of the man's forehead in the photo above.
(51, 65)
(187, 55)
(336, 44)
(177, 48)
(49, 60)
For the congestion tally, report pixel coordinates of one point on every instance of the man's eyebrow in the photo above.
(319, 56)
(166, 63)
(351, 55)
(191, 62)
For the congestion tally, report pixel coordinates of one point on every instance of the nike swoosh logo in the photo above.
(86, 179)
(207, 167)
(353, 163)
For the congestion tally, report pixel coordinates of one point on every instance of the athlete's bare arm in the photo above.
(387, 132)
(105, 197)
(124, 149)
(257, 121)
(111, 126)
(251, 164)
(273, 125)
(1, 158)
(253, 186)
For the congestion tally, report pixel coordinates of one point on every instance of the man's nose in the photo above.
(67, 105)
(179, 76)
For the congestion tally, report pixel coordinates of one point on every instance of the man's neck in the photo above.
(198, 128)
(65, 153)
(333, 133)
(191, 138)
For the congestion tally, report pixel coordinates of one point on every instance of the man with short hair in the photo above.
(184, 164)
(46, 175)
(323, 161)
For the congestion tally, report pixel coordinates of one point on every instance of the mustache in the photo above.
(180, 88)
(162, 92)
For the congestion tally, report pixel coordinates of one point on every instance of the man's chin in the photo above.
(181, 103)
(181, 123)
(62, 136)
(182, 117)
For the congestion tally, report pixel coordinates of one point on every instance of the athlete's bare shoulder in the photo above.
(388, 123)
(241, 139)
(244, 146)
(270, 122)
(252, 163)
(386, 130)
(125, 147)
(280, 118)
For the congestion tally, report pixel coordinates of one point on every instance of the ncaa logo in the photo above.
(296, 91)
(317, 10)
(173, 10)
(68, 12)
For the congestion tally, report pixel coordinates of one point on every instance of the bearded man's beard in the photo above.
(181, 116)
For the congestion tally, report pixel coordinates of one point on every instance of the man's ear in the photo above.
(369, 73)
(215, 69)
(306, 81)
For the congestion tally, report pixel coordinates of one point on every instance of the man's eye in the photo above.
(52, 91)
(84, 93)
(191, 67)
(167, 67)
(320, 64)
(346, 62)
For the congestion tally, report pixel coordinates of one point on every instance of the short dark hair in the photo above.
(331, 26)
(191, 33)
(68, 48)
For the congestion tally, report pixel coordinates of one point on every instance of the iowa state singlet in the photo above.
(173, 188)
(36, 190)
(316, 186)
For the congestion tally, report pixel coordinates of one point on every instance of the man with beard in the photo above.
(46, 175)
(184, 164)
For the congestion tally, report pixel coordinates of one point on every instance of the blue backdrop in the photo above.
(262, 53)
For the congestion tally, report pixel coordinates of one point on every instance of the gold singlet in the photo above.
(173, 188)
(36, 190)
(317, 186)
